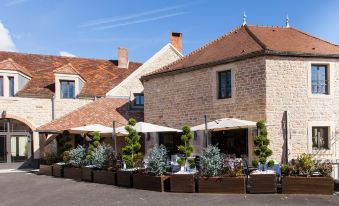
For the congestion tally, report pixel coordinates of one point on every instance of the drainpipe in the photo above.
(53, 107)
(206, 131)
(286, 136)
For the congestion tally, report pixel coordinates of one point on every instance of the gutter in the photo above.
(265, 52)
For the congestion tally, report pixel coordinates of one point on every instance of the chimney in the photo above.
(176, 40)
(122, 58)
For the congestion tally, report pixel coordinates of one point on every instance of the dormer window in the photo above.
(13, 78)
(1, 86)
(68, 82)
(67, 89)
(11, 86)
(139, 99)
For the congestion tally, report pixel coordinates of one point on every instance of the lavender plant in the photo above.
(157, 161)
(77, 156)
(211, 162)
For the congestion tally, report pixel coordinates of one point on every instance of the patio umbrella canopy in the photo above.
(142, 127)
(89, 128)
(224, 124)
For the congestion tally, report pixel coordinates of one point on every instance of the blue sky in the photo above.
(95, 29)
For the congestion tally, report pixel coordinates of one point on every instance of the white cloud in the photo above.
(15, 2)
(66, 54)
(6, 42)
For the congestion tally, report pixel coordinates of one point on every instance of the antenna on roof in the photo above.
(287, 21)
(244, 19)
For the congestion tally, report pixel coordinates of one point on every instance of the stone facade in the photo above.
(37, 111)
(262, 88)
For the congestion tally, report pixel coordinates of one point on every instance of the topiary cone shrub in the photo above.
(131, 152)
(186, 148)
(261, 149)
(93, 145)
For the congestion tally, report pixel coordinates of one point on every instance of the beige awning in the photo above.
(143, 127)
(89, 128)
(225, 124)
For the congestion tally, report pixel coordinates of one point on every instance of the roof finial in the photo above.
(287, 21)
(244, 19)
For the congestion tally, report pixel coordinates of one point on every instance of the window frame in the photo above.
(135, 99)
(68, 89)
(325, 84)
(326, 142)
(219, 73)
(11, 87)
(2, 93)
(331, 74)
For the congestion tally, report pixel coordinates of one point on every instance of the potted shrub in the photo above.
(46, 166)
(304, 176)
(64, 146)
(262, 180)
(94, 143)
(77, 159)
(185, 179)
(105, 165)
(131, 156)
(154, 177)
(218, 176)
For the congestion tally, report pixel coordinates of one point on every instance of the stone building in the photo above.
(47, 94)
(276, 74)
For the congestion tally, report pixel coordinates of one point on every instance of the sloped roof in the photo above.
(246, 41)
(100, 75)
(102, 111)
(9, 64)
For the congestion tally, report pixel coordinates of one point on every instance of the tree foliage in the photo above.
(93, 145)
(186, 148)
(77, 156)
(211, 162)
(131, 152)
(261, 142)
(101, 156)
(157, 161)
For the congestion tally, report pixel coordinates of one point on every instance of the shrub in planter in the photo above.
(218, 177)
(46, 166)
(304, 176)
(154, 177)
(131, 155)
(77, 159)
(103, 172)
(262, 181)
(185, 180)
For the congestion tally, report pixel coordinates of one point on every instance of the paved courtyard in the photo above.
(28, 189)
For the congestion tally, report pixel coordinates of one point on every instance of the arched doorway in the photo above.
(15, 141)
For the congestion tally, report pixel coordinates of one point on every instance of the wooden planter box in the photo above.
(125, 178)
(308, 185)
(222, 185)
(105, 177)
(153, 183)
(58, 170)
(72, 173)
(183, 183)
(46, 170)
(263, 183)
(87, 174)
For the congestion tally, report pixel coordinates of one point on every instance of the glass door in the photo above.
(3, 156)
(19, 148)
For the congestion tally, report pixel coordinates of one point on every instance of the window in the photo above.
(11, 86)
(139, 100)
(225, 84)
(320, 137)
(67, 89)
(1, 86)
(319, 79)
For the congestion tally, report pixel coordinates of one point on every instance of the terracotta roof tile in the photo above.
(100, 75)
(102, 111)
(10, 64)
(247, 40)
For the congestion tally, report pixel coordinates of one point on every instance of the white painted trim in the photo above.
(145, 65)
(331, 74)
(14, 72)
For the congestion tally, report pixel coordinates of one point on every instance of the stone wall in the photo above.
(288, 89)
(184, 98)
